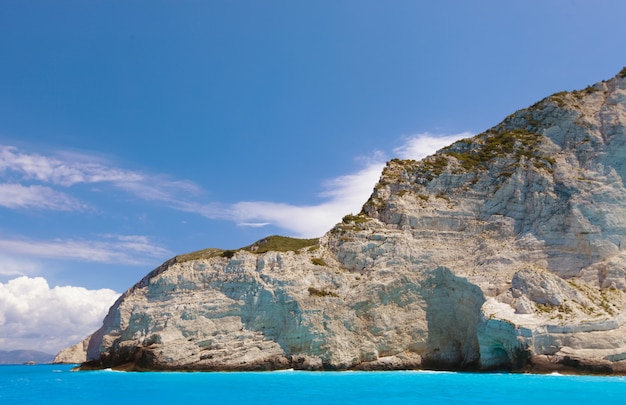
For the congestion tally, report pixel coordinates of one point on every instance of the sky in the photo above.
(133, 131)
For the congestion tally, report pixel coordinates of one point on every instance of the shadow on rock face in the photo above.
(453, 315)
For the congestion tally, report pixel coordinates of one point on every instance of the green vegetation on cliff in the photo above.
(273, 243)
(492, 145)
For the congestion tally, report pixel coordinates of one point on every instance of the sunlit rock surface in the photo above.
(74, 354)
(505, 251)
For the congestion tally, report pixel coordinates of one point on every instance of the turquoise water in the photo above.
(54, 384)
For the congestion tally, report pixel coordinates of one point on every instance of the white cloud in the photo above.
(35, 316)
(40, 197)
(345, 194)
(12, 266)
(158, 188)
(71, 169)
(59, 172)
(342, 195)
(117, 249)
(254, 224)
(419, 146)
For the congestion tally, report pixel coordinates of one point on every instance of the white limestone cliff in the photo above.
(74, 354)
(503, 251)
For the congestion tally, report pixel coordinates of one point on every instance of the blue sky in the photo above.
(134, 131)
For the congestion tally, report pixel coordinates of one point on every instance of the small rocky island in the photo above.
(505, 251)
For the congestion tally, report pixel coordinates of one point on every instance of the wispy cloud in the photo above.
(47, 169)
(159, 188)
(341, 195)
(419, 146)
(254, 224)
(118, 249)
(34, 315)
(39, 197)
(35, 181)
(344, 194)
(13, 266)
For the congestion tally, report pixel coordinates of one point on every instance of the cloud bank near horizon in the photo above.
(35, 316)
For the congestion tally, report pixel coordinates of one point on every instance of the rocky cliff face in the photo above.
(503, 251)
(74, 354)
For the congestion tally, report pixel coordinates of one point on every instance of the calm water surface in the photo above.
(55, 384)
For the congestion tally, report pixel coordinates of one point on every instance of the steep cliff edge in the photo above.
(504, 251)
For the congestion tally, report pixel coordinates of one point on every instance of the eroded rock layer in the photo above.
(505, 251)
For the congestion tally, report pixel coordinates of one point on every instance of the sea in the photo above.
(58, 384)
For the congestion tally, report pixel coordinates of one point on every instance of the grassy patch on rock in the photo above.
(321, 293)
(318, 261)
(200, 254)
(273, 243)
(277, 243)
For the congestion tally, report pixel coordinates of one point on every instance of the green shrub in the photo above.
(558, 98)
(318, 262)
(200, 254)
(321, 293)
(357, 219)
(435, 164)
(493, 145)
